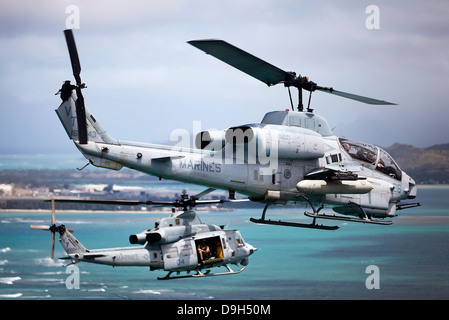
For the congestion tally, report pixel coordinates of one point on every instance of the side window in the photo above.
(171, 253)
(238, 239)
(186, 250)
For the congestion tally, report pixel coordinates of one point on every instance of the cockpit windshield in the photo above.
(360, 151)
(372, 155)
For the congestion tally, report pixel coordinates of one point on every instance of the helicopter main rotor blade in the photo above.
(200, 202)
(119, 202)
(95, 201)
(177, 203)
(355, 97)
(39, 227)
(183, 203)
(243, 61)
(203, 193)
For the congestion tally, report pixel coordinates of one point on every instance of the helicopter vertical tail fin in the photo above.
(70, 244)
(95, 132)
(68, 116)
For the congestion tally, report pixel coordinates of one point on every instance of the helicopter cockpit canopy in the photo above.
(373, 155)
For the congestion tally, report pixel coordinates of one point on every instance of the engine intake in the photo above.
(239, 135)
(142, 238)
(277, 141)
(210, 140)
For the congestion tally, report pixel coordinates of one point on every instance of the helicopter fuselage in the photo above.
(177, 243)
(174, 256)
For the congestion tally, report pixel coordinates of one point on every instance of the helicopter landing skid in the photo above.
(349, 219)
(294, 224)
(200, 274)
(363, 216)
(312, 225)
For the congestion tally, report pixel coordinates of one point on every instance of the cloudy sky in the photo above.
(144, 81)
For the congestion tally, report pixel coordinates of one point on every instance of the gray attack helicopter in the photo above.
(289, 157)
(178, 243)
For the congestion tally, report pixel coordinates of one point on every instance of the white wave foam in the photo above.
(48, 262)
(147, 291)
(7, 249)
(12, 295)
(9, 280)
(50, 273)
(30, 221)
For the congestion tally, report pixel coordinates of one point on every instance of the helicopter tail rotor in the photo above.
(53, 228)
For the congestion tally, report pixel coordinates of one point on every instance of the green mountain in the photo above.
(427, 165)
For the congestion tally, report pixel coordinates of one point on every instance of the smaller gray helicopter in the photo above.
(178, 243)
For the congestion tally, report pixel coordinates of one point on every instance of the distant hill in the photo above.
(428, 165)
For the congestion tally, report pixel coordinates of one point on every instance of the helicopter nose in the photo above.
(252, 249)
(412, 190)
